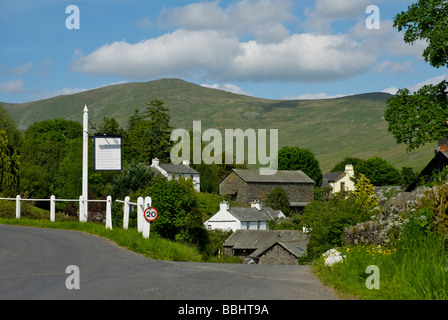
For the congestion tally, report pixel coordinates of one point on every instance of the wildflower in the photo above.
(332, 256)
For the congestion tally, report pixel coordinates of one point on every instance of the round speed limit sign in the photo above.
(150, 214)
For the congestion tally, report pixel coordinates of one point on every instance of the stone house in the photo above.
(246, 185)
(267, 246)
(437, 164)
(175, 171)
(254, 218)
(341, 181)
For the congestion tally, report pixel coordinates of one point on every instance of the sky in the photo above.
(273, 49)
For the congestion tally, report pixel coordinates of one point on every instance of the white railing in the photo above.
(142, 204)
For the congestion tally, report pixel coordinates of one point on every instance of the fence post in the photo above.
(109, 213)
(140, 211)
(82, 207)
(126, 213)
(18, 206)
(52, 208)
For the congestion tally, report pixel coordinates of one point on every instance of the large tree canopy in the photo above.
(421, 117)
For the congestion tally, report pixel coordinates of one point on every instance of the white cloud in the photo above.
(316, 96)
(22, 69)
(325, 12)
(227, 87)
(12, 86)
(145, 23)
(416, 87)
(393, 67)
(386, 40)
(219, 56)
(263, 19)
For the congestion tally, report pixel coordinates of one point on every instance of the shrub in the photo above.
(328, 219)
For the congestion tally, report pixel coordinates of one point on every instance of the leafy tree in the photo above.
(148, 133)
(421, 117)
(111, 126)
(356, 162)
(328, 219)
(427, 20)
(277, 199)
(418, 118)
(295, 158)
(9, 167)
(365, 193)
(380, 172)
(43, 148)
(7, 123)
(179, 216)
(408, 175)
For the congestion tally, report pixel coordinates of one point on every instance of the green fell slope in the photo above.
(332, 129)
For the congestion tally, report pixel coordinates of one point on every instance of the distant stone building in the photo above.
(267, 246)
(247, 185)
(175, 171)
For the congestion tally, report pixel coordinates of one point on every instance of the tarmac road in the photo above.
(33, 264)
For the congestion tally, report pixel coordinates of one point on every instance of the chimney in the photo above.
(186, 163)
(155, 162)
(349, 170)
(256, 204)
(224, 206)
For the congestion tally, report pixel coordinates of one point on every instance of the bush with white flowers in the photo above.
(332, 256)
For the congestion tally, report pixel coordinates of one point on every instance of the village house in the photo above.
(175, 171)
(256, 217)
(437, 164)
(267, 246)
(340, 181)
(246, 185)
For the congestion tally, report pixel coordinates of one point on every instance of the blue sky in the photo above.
(275, 49)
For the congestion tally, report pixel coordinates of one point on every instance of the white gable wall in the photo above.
(223, 220)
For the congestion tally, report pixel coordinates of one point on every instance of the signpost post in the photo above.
(83, 208)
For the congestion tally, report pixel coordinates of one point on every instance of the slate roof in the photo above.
(260, 241)
(253, 214)
(281, 176)
(333, 176)
(177, 168)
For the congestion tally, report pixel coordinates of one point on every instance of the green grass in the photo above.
(415, 269)
(155, 247)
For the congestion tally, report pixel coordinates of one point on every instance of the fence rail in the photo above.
(142, 204)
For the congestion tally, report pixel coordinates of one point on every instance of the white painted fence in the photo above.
(142, 203)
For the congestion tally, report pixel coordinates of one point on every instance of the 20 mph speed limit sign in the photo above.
(150, 214)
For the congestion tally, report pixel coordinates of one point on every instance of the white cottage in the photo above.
(254, 218)
(175, 171)
(339, 181)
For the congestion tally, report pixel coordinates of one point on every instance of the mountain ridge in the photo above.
(331, 128)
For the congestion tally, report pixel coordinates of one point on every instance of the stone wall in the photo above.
(363, 233)
(374, 232)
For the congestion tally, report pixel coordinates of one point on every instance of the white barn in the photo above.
(254, 218)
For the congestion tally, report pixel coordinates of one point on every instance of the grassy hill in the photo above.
(332, 129)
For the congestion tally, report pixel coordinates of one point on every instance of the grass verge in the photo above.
(415, 268)
(155, 247)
